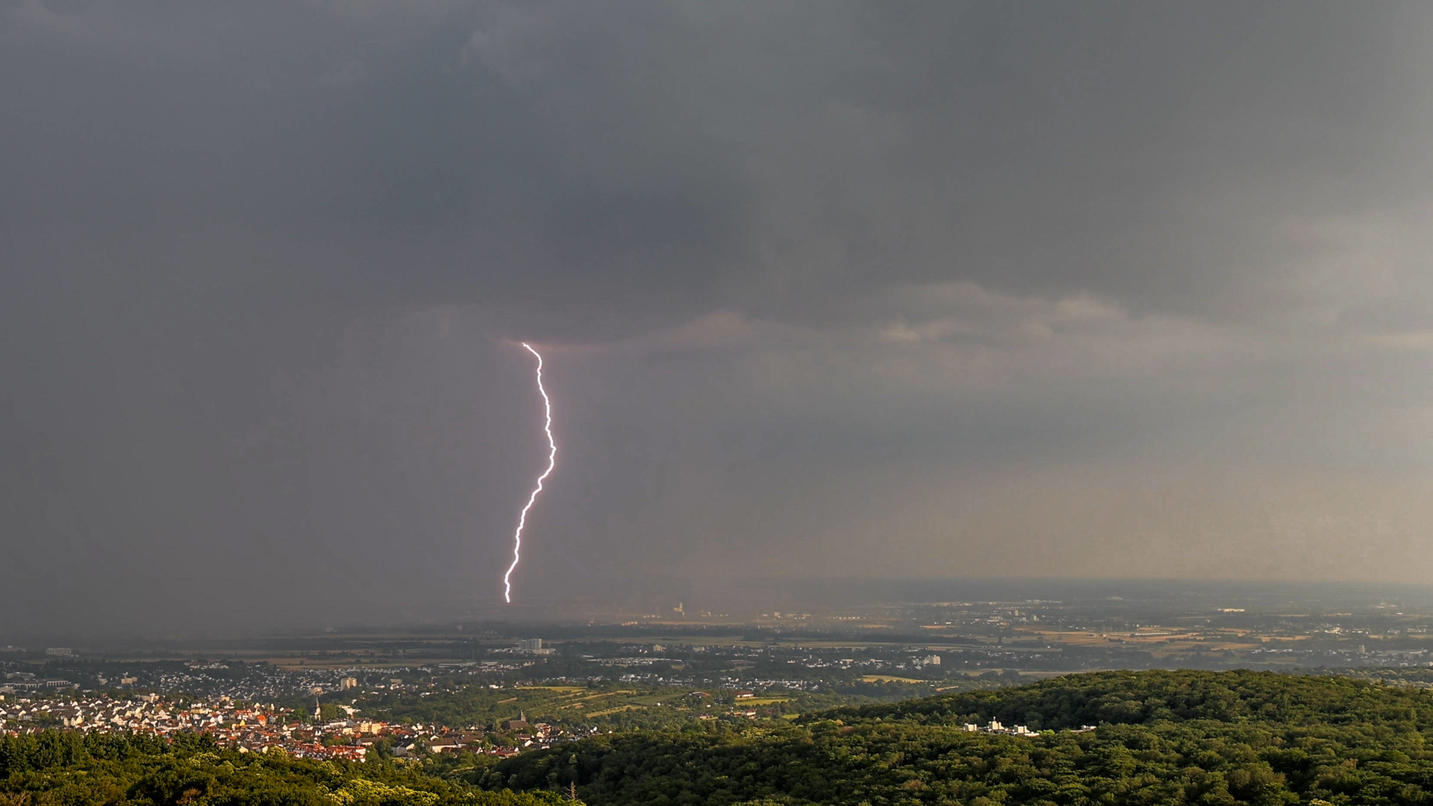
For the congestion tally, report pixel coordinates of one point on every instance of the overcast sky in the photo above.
(825, 289)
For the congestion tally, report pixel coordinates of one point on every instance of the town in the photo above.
(270, 728)
(503, 688)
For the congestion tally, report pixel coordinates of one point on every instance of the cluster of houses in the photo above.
(266, 728)
(995, 726)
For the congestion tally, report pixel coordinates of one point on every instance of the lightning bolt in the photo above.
(551, 463)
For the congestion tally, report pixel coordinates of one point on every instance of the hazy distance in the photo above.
(850, 290)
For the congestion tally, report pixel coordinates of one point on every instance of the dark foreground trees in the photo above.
(73, 769)
(1164, 738)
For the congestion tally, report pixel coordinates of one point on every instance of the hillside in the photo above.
(1162, 738)
(73, 769)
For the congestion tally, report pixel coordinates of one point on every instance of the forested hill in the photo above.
(1147, 697)
(1163, 738)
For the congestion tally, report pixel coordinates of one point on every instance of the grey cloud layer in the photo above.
(816, 278)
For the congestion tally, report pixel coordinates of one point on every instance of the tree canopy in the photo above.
(1162, 738)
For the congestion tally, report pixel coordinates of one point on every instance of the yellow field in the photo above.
(601, 694)
(762, 700)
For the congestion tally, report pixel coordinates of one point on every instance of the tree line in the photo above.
(1162, 738)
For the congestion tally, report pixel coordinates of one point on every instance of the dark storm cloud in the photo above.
(814, 278)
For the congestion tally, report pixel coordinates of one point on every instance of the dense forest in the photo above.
(72, 769)
(1162, 738)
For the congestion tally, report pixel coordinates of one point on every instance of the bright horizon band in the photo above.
(551, 463)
